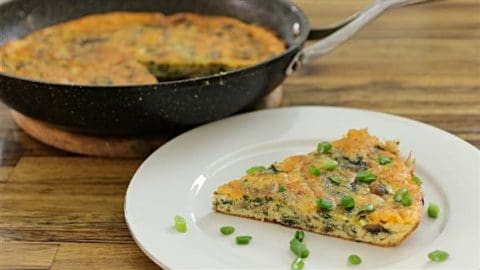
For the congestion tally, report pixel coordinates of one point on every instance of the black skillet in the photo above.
(123, 110)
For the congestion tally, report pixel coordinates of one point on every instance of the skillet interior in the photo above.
(127, 109)
(21, 17)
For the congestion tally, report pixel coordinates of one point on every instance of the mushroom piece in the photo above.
(378, 189)
(375, 228)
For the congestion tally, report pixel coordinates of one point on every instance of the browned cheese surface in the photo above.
(114, 48)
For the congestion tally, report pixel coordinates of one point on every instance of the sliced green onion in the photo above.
(298, 248)
(255, 169)
(298, 264)
(365, 176)
(433, 210)
(399, 194)
(314, 170)
(325, 204)
(227, 230)
(300, 235)
(324, 147)
(329, 164)
(335, 180)
(348, 202)
(368, 208)
(407, 199)
(282, 189)
(438, 255)
(384, 160)
(417, 180)
(180, 224)
(354, 259)
(243, 240)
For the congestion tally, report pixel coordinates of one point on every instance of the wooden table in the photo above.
(60, 211)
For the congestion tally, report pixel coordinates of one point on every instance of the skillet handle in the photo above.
(337, 35)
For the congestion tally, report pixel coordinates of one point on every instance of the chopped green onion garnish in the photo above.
(227, 230)
(417, 180)
(323, 147)
(433, 210)
(255, 169)
(325, 204)
(314, 170)
(365, 176)
(336, 180)
(438, 255)
(298, 264)
(366, 209)
(243, 240)
(348, 202)
(300, 235)
(384, 160)
(282, 189)
(329, 164)
(406, 199)
(354, 259)
(299, 248)
(180, 224)
(399, 194)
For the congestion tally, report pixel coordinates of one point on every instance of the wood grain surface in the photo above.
(61, 211)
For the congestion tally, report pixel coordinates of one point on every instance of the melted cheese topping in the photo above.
(122, 48)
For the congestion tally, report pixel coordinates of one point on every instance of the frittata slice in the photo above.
(356, 188)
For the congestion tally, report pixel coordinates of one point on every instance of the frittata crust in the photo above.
(124, 48)
(258, 196)
(270, 220)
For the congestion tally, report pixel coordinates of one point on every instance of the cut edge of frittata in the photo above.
(288, 192)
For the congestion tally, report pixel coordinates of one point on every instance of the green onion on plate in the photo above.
(243, 239)
(300, 235)
(438, 255)
(227, 230)
(180, 224)
(297, 264)
(299, 248)
(433, 210)
(354, 259)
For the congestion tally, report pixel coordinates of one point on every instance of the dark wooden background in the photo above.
(60, 211)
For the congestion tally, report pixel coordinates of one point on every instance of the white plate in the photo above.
(179, 178)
